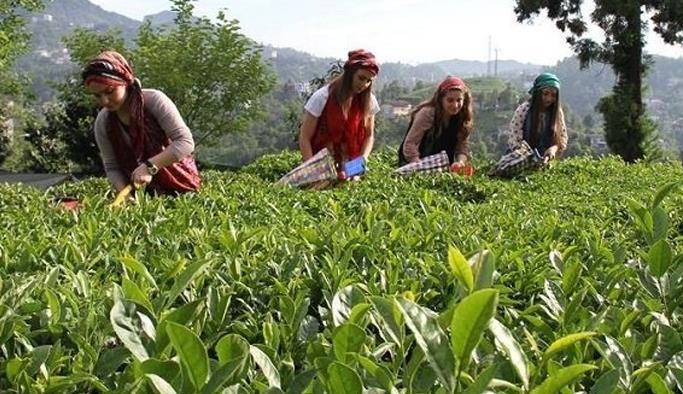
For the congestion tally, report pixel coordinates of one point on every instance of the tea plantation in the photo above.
(566, 280)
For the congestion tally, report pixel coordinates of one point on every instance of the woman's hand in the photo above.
(141, 176)
(550, 153)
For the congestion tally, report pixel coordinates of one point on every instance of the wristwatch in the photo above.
(151, 168)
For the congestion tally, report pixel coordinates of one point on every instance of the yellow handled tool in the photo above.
(122, 195)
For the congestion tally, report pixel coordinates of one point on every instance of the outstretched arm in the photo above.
(306, 133)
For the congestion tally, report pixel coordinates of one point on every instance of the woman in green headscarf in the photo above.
(539, 121)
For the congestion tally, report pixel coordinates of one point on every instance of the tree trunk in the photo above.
(629, 67)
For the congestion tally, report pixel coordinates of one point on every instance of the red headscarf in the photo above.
(111, 69)
(360, 58)
(147, 139)
(452, 83)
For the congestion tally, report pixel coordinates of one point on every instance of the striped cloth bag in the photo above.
(434, 163)
(521, 158)
(318, 168)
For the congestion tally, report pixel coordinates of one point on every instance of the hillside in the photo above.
(386, 284)
(60, 18)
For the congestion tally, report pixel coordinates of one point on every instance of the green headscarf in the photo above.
(545, 80)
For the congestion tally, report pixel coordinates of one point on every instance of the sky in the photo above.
(407, 31)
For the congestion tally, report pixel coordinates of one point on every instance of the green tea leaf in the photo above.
(480, 385)
(191, 352)
(392, 318)
(507, 343)
(134, 265)
(301, 382)
(267, 367)
(461, 270)
(347, 338)
(127, 331)
(343, 302)
(659, 258)
(470, 319)
(565, 342)
(431, 339)
(159, 384)
(662, 192)
(182, 315)
(562, 378)
(657, 384)
(607, 383)
(618, 358)
(343, 379)
(132, 292)
(167, 370)
(483, 266)
(358, 312)
(187, 276)
(380, 373)
(230, 347)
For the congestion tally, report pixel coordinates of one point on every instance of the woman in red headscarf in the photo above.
(340, 116)
(142, 138)
(443, 123)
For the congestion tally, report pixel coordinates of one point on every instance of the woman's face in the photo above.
(109, 97)
(452, 102)
(362, 79)
(548, 97)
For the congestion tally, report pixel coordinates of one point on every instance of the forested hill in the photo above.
(48, 59)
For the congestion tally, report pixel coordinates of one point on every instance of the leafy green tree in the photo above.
(14, 41)
(214, 74)
(628, 129)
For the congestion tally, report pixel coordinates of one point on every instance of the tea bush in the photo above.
(564, 280)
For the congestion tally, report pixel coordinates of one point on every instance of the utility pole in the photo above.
(488, 60)
(495, 72)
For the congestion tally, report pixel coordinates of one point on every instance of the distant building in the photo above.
(598, 144)
(396, 108)
(41, 18)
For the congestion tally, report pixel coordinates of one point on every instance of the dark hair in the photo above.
(342, 89)
(464, 117)
(537, 110)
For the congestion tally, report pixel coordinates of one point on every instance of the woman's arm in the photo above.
(164, 110)
(171, 122)
(462, 149)
(111, 166)
(306, 133)
(562, 143)
(515, 132)
(423, 121)
(369, 138)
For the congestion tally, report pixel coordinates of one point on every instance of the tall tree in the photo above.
(215, 75)
(14, 41)
(628, 129)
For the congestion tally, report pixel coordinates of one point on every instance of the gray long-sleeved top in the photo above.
(166, 114)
